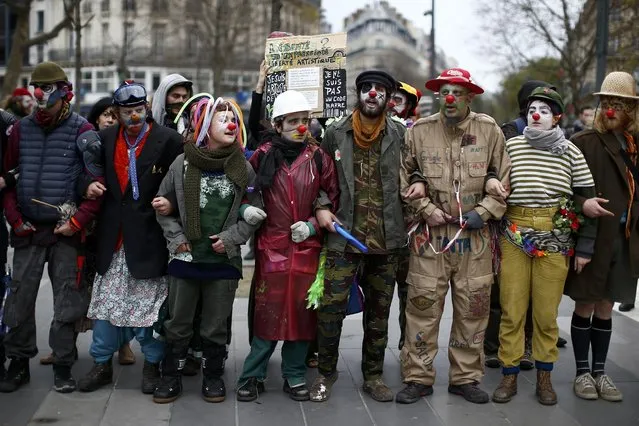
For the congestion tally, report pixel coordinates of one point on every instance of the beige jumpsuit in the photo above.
(445, 157)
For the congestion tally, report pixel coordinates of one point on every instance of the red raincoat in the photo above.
(285, 270)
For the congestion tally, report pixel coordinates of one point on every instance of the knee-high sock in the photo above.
(600, 338)
(580, 334)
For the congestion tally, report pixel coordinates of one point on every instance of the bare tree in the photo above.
(77, 28)
(521, 31)
(22, 41)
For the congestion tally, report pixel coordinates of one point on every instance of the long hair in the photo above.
(598, 123)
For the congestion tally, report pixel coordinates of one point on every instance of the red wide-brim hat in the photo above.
(457, 76)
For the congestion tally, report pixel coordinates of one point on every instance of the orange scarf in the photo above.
(367, 134)
(632, 153)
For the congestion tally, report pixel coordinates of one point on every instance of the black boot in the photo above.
(63, 381)
(150, 377)
(16, 376)
(170, 386)
(100, 375)
(3, 359)
(213, 388)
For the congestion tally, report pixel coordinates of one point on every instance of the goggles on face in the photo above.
(129, 94)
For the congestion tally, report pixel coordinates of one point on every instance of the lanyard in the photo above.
(133, 174)
(462, 225)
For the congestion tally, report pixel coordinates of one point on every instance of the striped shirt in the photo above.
(539, 178)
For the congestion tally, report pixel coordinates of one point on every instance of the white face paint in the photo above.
(399, 103)
(540, 115)
(294, 127)
(43, 93)
(219, 132)
(372, 96)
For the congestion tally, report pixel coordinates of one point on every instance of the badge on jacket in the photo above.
(338, 155)
(156, 170)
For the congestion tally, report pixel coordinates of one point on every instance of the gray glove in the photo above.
(473, 220)
(253, 215)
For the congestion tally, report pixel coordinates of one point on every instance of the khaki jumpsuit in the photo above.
(444, 157)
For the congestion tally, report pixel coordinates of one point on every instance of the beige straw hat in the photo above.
(619, 84)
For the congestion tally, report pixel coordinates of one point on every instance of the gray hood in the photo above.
(158, 108)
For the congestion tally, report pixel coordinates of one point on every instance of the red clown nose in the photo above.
(39, 94)
(231, 126)
(301, 129)
(536, 116)
(450, 99)
(610, 113)
(391, 104)
(372, 94)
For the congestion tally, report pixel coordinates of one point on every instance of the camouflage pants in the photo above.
(402, 291)
(377, 280)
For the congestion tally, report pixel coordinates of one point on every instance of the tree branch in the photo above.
(44, 37)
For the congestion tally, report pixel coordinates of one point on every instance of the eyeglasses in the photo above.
(129, 94)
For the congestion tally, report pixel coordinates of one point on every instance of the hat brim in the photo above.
(616, 95)
(436, 84)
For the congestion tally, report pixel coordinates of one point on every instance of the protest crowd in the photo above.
(139, 212)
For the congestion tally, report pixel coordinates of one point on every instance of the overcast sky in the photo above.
(457, 31)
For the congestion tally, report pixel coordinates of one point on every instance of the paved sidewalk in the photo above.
(123, 404)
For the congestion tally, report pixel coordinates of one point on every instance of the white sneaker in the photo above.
(585, 387)
(607, 389)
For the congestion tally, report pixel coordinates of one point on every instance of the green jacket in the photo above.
(338, 143)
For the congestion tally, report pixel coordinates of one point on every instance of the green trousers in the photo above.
(293, 361)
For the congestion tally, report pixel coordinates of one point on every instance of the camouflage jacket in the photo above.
(338, 142)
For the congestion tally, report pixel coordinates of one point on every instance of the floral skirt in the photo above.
(125, 301)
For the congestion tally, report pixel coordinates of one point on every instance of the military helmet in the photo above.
(48, 73)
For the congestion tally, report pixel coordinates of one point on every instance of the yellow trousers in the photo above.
(522, 277)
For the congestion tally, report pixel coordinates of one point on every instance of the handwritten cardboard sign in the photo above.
(313, 65)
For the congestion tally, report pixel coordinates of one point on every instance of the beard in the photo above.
(368, 113)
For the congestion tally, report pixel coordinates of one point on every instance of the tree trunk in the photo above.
(123, 70)
(18, 44)
(77, 24)
(276, 23)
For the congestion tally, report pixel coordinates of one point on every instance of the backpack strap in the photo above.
(521, 124)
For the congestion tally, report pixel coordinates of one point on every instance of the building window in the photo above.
(156, 81)
(191, 42)
(87, 6)
(157, 39)
(105, 33)
(160, 5)
(129, 5)
(379, 43)
(104, 81)
(128, 28)
(40, 53)
(105, 5)
(40, 21)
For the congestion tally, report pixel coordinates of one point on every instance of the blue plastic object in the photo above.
(358, 245)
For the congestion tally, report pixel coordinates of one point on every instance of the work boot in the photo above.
(192, 365)
(170, 386)
(100, 375)
(545, 393)
(526, 362)
(561, 342)
(492, 361)
(63, 381)
(213, 388)
(17, 375)
(126, 355)
(413, 392)
(250, 390)
(150, 377)
(585, 387)
(321, 389)
(607, 389)
(378, 390)
(471, 392)
(298, 392)
(506, 389)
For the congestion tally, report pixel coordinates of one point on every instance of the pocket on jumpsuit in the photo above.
(73, 302)
(478, 304)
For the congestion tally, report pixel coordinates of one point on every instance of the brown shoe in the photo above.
(126, 355)
(545, 393)
(47, 360)
(506, 389)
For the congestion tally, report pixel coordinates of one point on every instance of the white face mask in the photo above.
(540, 115)
(399, 103)
(372, 106)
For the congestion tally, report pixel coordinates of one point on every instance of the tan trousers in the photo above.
(522, 278)
(467, 269)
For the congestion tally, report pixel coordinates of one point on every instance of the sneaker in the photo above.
(561, 342)
(413, 392)
(378, 390)
(321, 389)
(250, 390)
(492, 361)
(606, 389)
(63, 381)
(585, 387)
(297, 393)
(471, 392)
